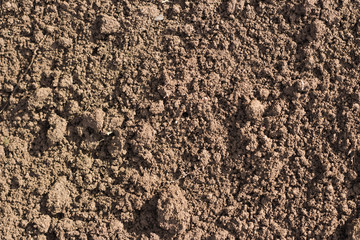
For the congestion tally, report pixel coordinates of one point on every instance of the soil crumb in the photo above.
(58, 197)
(255, 109)
(108, 25)
(172, 210)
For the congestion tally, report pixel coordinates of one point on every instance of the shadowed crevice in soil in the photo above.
(145, 220)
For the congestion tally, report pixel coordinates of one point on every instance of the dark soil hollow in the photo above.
(174, 119)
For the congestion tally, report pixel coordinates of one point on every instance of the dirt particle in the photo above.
(345, 209)
(205, 157)
(49, 29)
(116, 122)
(231, 6)
(250, 12)
(117, 147)
(172, 210)
(40, 97)
(65, 229)
(8, 88)
(189, 29)
(275, 109)
(157, 107)
(9, 6)
(151, 11)
(176, 9)
(264, 93)
(116, 225)
(146, 134)
(42, 223)
(317, 29)
(64, 5)
(66, 81)
(308, 6)
(19, 148)
(356, 107)
(57, 129)
(64, 42)
(220, 235)
(38, 35)
(354, 229)
(84, 162)
(73, 107)
(4, 188)
(2, 152)
(58, 197)
(302, 86)
(252, 143)
(108, 25)
(159, 18)
(94, 120)
(255, 109)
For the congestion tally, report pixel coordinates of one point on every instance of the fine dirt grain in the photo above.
(207, 119)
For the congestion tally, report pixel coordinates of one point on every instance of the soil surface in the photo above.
(173, 119)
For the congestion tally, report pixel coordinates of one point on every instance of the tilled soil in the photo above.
(173, 119)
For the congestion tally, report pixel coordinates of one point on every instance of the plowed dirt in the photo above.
(173, 119)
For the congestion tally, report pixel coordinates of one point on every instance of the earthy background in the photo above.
(179, 119)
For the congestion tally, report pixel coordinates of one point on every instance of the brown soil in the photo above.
(209, 119)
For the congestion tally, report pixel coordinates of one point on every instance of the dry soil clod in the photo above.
(94, 120)
(59, 197)
(172, 210)
(108, 24)
(255, 109)
(317, 29)
(57, 129)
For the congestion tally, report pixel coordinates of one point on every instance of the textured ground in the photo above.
(208, 119)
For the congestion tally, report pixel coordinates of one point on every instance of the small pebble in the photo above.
(159, 18)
